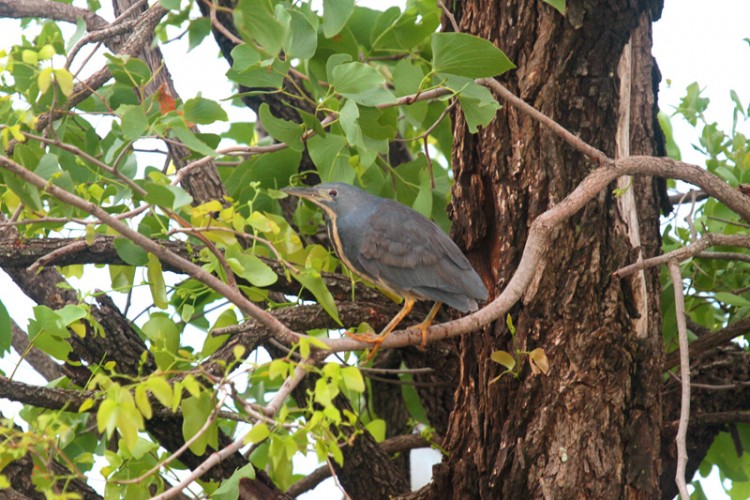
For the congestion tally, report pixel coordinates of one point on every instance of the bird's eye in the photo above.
(332, 193)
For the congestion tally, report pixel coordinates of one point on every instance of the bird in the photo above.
(398, 249)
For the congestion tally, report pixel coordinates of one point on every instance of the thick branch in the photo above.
(393, 445)
(17, 253)
(541, 234)
(142, 33)
(43, 397)
(51, 10)
(709, 341)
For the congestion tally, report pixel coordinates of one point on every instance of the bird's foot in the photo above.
(422, 327)
(370, 338)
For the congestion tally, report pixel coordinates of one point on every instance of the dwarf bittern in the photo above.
(397, 248)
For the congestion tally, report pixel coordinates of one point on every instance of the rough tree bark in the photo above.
(591, 427)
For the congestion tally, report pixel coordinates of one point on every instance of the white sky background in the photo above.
(695, 40)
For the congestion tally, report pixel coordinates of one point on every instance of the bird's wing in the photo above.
(409, 253)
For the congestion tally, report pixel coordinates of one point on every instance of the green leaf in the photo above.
(130, 253)
(312, 280)
(509, 324)
(478, 104)
(349, 120)
(47, 323)
(156, 282)
(467, 55)
(161, 390)
(559, 5)
(195, 412)
(230, 488)
(170, 4)
(165, 338)
(198, 30)
(64, 80)
(279, 369)
(44, 80)
(335, 15)
(134, 121)
(255, 20)
(325, 151)
(673, 150)
(29, 57)
(325, 392)
(173, 197)
(352, 378)
(302, 38)
(380, 124)
(142, 402)
(258, 433)
(377, 428)
(250, 267)
(504, 358)
(732, 299)
(204, 111)
(423, 201)
(190, 140)
(128, 70)
(106, 416)
(6, 329)
(70, 314)
(262, 223)
(285, 131)
(407, 77)
(355, 77)
(258, 74)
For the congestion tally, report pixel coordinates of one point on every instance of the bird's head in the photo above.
(334, 198)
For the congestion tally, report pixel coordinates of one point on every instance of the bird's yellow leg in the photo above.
(376, 340)
(424, 325)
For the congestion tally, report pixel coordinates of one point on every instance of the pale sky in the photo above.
(694, 41)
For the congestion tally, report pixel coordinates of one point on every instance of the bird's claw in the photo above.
(369, 338)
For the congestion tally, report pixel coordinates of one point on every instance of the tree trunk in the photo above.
(590, 428)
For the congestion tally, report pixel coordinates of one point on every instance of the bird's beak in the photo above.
(302, 192)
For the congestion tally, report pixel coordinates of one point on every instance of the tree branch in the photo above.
(142, 33)
(51, 10)
(42, 363)
(684, 253)
(282, 332)
(709, 341)
(682, 456)
(392, 445)
(43, 397)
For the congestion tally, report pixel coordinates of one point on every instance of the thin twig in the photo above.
(216, 24)
(679, 302)
(576, 142)
(55, 254)
(743, 257)
(97, 36)
(270, 410)
(246, 306)
(210, 462)
(241, 234)
(450, 16)
(676, 199)
(273, 407)
(684, 253)
(336, 479)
